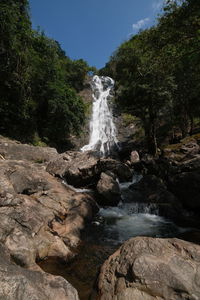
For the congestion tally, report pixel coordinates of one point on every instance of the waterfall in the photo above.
(103, 133)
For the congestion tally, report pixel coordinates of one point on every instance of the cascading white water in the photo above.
(103, 133)
(131, 219)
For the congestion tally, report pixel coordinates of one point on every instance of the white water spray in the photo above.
(103, 133)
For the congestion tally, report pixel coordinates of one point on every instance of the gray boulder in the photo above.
(122, 171)
(108, 189)
(17, 283)
(10, 149)
(84, 168)
(78, 168)
(149, 268)
(134, 158)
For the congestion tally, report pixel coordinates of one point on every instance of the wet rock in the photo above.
(21, 284)
(122, 171)
(151, 189)
(108, 189)
(149, 268)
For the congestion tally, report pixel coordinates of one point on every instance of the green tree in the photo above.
(15, 31)
(157, 72)
(39, 84)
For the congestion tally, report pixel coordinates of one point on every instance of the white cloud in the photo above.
(157, 4)
(140, 24)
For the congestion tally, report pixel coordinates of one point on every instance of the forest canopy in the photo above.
(157, 73)
(39, 84)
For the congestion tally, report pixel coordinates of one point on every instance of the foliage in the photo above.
(128, 119)
(39, 84)
(157, 71)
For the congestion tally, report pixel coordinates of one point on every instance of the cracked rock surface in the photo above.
(40, 217)
(21, 284)
(146, 268)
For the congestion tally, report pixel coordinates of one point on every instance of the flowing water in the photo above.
(103, 133)
(114, 225)
(111, 227)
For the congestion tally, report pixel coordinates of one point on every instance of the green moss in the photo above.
(173, 147)
(196, 121)
(129, 119)
(88, 109)
(191, 138)
(39, 161)
(176, 147)
(139, 134)
(37, 141)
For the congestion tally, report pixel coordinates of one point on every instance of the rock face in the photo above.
(40, 217)
(15, 150)
(84, 168)
(148, 268)
(17, 283)
(108, 189)
(87, 96)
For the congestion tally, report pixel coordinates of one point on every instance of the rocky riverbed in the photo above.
(44, 220)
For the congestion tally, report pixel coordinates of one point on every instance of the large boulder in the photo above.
(122, 171)
(109, 190)
(134, 157)
(15, 150)
(189, 165)
(186, 186)
(77, 168)
(40, 216)
(151, 189)
(149, 268)
(17, 283)
(84, 168)
(186, 149)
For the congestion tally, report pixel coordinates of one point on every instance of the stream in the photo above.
(110, 228)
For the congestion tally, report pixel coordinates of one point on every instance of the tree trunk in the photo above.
(150, 135)
(184, 124)
(191, 125)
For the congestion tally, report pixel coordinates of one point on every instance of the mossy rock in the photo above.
(179, 151)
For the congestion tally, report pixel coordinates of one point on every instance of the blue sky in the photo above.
(93, 29)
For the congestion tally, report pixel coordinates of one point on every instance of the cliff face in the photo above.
(128, 128)
(79, 141)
